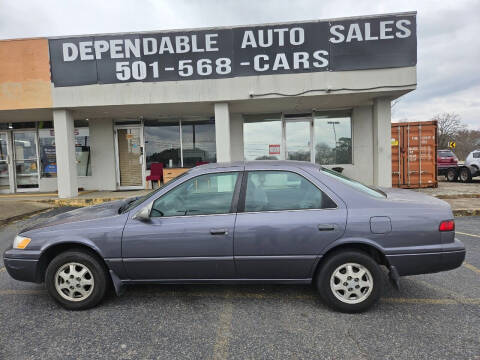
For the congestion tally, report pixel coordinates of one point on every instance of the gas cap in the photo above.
(380, 224)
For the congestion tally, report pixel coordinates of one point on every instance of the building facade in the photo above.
(94, 112)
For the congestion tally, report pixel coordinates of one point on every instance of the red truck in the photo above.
(447, 164)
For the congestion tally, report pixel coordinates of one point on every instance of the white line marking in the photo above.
(462, 233)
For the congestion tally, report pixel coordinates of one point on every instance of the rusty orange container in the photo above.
(414, 154)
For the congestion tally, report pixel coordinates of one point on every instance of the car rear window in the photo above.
(476, 155)
(444, 154)
(353, 183)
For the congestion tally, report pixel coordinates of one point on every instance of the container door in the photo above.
(396, 156)
(129, 146)
(415, 156)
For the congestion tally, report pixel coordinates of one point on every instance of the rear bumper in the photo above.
(432, 262)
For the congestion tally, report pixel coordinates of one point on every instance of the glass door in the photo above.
(298, 139)
(129, 149)
(26, 160)
(5, 164)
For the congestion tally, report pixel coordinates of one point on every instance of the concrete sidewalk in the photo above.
(13, 210)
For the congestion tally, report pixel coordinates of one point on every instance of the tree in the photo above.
(449, 126)
(467, 141)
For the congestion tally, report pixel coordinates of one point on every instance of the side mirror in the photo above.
(144, 213)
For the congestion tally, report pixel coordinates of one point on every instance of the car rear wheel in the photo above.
(452, 175)
(76, 279)
(350, 281)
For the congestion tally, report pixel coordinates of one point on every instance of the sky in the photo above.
(448, 74)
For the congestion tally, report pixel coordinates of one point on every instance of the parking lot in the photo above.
(433, 316)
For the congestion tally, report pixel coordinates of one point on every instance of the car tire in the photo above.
(465, 175)
(76, 279)
(451, 175)
(357, 269)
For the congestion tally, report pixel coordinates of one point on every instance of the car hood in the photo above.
(86, 213)
(411, 196)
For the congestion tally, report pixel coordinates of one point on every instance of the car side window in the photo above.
(202, 195)
(283, 190)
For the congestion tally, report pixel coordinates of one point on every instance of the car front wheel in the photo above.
(350, 281)
(76, 279)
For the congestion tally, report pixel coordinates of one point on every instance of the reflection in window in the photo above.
(48, 158)
(198, 142)
(202, 195)
(333, 138)
(282, 190)
(162, 143)
(262, 137)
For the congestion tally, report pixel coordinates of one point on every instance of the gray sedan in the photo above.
(255, 222)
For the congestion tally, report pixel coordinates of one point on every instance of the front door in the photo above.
(26, 160)
(129, 149)
(189, 235)
(298, 139)
(283, 225)
(6, 173)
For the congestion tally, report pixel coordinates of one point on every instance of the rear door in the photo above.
(283, 223)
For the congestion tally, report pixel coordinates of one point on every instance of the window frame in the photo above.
(309, 117)
(233, 204)
(243, 193)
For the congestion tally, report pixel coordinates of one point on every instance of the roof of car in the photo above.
(266, 163)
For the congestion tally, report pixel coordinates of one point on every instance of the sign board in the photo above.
(274, 149)
(452, 144)
(373, 42)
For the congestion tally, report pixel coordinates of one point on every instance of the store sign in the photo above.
(274, 149)
(336, 45)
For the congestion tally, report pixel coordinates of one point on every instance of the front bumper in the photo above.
(450, 258)
(22, 268)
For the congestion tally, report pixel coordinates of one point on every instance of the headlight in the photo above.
(21, 242)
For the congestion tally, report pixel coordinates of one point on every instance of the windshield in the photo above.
(444, 154)
(355, 184)
(138, 200)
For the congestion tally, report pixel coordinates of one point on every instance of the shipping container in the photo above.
(414, 154)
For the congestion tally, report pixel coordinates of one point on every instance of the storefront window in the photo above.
(262, 137)
(198, 142)
(48, 158)
(162, 142)
(333, 138)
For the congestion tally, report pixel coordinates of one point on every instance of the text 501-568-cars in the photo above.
(254, 222)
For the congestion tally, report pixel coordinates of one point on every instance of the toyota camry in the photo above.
(280, 222)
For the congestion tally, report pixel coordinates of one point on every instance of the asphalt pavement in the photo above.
(433, 316)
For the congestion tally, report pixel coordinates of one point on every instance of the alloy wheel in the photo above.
(74, 281)
(351, 283)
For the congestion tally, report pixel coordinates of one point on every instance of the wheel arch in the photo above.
(49, 253)
(363, 245)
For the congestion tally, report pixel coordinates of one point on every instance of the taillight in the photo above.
(447, 225)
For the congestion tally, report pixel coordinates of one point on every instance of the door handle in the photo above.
(326, 227)
(218, 231)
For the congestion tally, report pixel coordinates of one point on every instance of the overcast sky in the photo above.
(448, 35)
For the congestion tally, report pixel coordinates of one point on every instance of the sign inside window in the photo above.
(274, 149)
(372, 42)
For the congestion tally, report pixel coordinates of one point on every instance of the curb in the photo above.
(457, 196)
(78, 202)
(466, 212)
